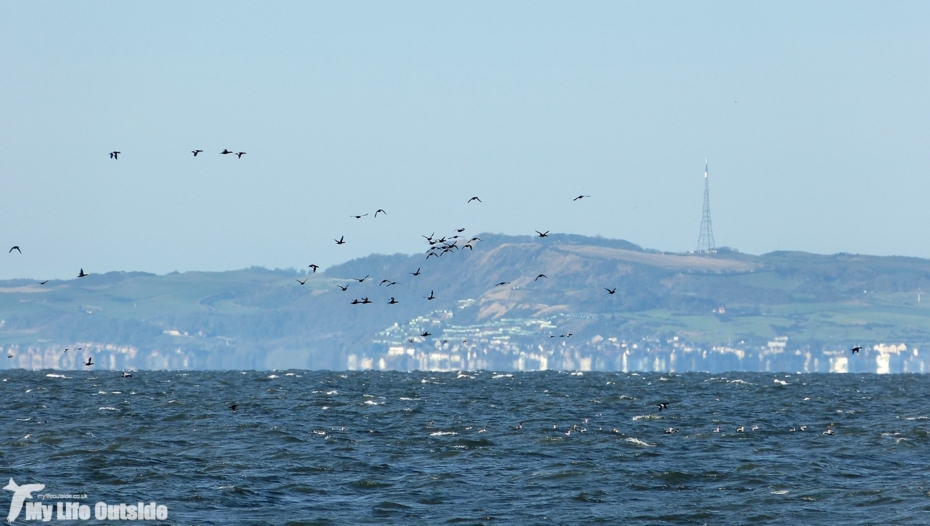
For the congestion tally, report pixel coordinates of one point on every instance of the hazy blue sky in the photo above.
(815, 119)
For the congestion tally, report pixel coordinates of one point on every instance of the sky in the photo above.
(814, 119)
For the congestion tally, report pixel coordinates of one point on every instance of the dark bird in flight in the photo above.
(431, 254)
(611, 291)
(314, 267)
(474, 239)
(417, 273)
(341, 240)
(383, 281)
(115, 155)
(475, 199)
(459, 230)
(393, 301)
(234, 407)
(16, 248)
(43, 282)
(663, 405)
(541, 276)
(425, 334)
(9, 355)
(856, 349)
(380, 210)
(431, 296)
(344, 288)
(580, 197)
(501, 283)
(240, 154)
(195, 152)
(365, 301)
(127, 375)
(355, 301)
(359, 217)
(226, 152)
(361, 280)
(301, 282)
(89, 362)
(543, 234)
(81, 274)
(430, 238)
(392, 283)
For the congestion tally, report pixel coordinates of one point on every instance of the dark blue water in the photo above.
(432, 448)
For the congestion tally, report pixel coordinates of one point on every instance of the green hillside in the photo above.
(259, 318)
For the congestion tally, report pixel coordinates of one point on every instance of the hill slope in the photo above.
(257, 318)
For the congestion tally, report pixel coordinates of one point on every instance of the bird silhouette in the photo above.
(428, 238)
(81, 274)
(341, 240)
(856, 349)
(431, 296)
(343, 287)
(314, 267)
(475, 199)
(541, 276)
(226, 152)
(115, 155)
(195, 152)
(611, 291)
(501, 283)
(424, 334)
(383, 281)
(16, 248)
(43, 282)
(89, 362)
(127, 375)
(365, 301)
(355, 301)
(380, 210)
(362, 280)
(233, 407)
(393, 301)
(543, 234)
(240, 154)
(359, 217)
(459, 230)
(302, 282)
(580, 197)
(417, 273)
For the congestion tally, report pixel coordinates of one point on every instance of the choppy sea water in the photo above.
(431, 448)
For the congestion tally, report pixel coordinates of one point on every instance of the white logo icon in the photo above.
(20, 494)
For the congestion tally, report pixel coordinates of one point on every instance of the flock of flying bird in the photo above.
(438, 248)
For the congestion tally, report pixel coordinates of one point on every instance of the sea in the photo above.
(307, 447)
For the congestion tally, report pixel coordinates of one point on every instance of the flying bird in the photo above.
(359, 217)
(16, 248)
(115, 155)
(127, 375)
(301, 282)
(383, 281)
(343, 287)
(195, 152)
(580, 197)
(417, 273)
(240, 154)
(431, 296)
(341, 240)
(43, 282)
(81, 274)
(89, 362)
(380, 210)
(362, 280)
(541, 276)
(314, 267)
(393, 301)
(459, 230)
(226, 152)
(611, 291)
(475, 199)
(856, 349)
(501, 283)
(543, 234)
(424, 334)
